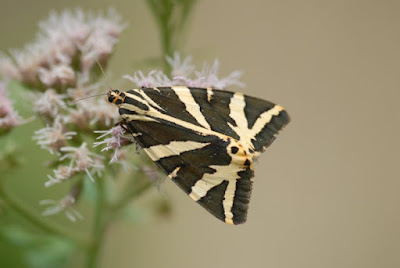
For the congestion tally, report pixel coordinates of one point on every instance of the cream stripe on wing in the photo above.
(228, 201)
(148, 99)
(209, 94)
(174, 173)
(236, 107)
(264, 119)
(157, 152)
(208, 181)
(192, 107)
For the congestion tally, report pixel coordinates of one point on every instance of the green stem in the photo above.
(99, 225)
(40, 223)
(137, 191)
(166, 47)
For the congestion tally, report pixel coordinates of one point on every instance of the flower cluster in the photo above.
(116, 140)
(64, 205)
(65, 40)
(61, 65)
(183, 73)
(9, 117)
(66, 36)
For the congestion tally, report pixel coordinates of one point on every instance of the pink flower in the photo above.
(64, 38)
(48, 104)
(155, 78)
(58, 76)
(82, 159)
(62, 173)
(180, 68)
(9, 117)
(182, 71)
(208, 77)
(114, 142)
(53, 138)
(64, 205)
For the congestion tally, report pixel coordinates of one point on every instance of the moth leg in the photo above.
(122, 124)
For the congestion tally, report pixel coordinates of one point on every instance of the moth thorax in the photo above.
(115, 97)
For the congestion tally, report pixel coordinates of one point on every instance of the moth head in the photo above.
(115, 97)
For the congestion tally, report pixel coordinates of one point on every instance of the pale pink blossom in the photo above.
(82, 159)
(122, 157)
(64, 38)
(114, 142)
(80, 117)
(62, 173)
(100, 44)
(9, 117)
(64, 205)
(180, 68)
(8, 68)
(208, 77)
(53, 138)
(59, 75)
(48, 104)
(101, 114)
(182, 71)
(154, 78)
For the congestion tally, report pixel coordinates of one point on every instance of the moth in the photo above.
(204, 139)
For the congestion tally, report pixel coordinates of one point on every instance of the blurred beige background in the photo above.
(327, 191)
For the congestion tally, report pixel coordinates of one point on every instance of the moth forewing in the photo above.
(205, 140)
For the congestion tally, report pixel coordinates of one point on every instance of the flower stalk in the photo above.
(171, 17)
(39, 221)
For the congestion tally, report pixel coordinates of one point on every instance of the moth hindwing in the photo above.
(205, 140)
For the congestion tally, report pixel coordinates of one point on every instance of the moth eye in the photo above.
(234, 149)
(110, 98)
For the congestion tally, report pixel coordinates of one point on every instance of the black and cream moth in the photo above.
(204, 139)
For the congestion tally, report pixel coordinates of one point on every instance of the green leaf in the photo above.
(89, 189)
(39, 250)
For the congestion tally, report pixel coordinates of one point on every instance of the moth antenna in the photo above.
(88, 97)
(104, 74)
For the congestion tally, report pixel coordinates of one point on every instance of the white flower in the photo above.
(100, 44)
(101, 113)
(155, 78)
(60, 75)
(62, 173)
(5, 103)
(8, 68)
(82, 159)
(181, 75)
(83, 89)
(80, 117)
(63, 205)
(64, 38)
(114, 142)
(48, 103)
(208, 77)
(180, 68)
(53, 138)
(9, 117)
(28, 61)
(121, 157)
